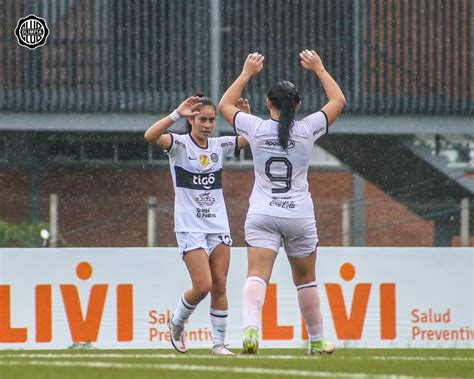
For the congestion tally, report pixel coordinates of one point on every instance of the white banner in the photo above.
(121, 297)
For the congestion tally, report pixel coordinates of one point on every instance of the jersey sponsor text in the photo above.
(190, 180)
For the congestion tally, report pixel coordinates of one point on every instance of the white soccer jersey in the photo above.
(199, 202)
(281, 186)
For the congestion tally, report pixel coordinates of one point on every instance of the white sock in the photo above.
(254, 297)
(182, 312)
(308, 300)
(219, 324)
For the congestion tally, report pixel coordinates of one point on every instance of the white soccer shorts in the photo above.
(188, 241)
(299, 235)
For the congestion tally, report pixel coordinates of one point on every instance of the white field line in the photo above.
(202, 356)
(224, 369)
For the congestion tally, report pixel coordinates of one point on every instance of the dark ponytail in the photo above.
(284, 97)
(204, 101)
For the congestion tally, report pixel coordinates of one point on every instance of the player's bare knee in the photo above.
(202, 289)
(219, 287)
(303, 279)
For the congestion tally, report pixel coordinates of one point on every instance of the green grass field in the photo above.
(270, 363)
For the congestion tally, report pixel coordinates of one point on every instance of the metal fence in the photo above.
(390, 57)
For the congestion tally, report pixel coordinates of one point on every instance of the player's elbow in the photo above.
(225, 105)
(340, 102)
(147, 136)
(221, 106)
(226, 111)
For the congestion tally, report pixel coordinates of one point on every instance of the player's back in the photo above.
(281, 187)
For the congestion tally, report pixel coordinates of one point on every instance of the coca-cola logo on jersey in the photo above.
(282, 204)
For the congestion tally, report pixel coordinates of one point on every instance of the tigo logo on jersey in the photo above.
(82, 328)
(203, 182)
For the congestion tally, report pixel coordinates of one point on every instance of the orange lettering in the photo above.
(84, 329)
(388, 329)
(270, 328)
(125, 312)
(43, 313)
(348, 328)
(7, 333)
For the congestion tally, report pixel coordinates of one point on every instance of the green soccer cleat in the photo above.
(322, 347)
(250, 343)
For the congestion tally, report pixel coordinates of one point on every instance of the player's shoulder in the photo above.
(300, 127)
(243, 121)
(178, 144)
(266, 127)
(181, 139)
(312, 124)
(222, 141)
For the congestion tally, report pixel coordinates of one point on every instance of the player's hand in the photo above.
(253, 64)
(243, 105)
(188, 107)
(311, 61)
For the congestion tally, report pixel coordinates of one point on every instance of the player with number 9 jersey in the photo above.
(281, 210)
(281, 186)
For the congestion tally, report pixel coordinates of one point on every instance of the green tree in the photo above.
(21, 235)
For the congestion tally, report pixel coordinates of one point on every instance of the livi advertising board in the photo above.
(121, 298)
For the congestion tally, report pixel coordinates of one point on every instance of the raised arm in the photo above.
(155, 133)
(227, 106)
(244, 106)
(311, 61)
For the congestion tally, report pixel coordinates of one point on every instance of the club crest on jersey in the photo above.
(204, 160)
(214, 157)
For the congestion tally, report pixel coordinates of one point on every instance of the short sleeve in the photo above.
(246, 124)
(177, 144)
(228, 145)
(316, 124)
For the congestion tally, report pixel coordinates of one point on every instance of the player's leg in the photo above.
(193, 248)
(263, 244)
(303, 270)
(219, 260)
(300, 240)
(260, 265)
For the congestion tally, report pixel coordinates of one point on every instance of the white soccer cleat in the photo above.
(177, 336)
(221, 350)
(322, 347)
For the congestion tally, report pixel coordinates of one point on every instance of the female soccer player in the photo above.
(200, 216)
(281, 208)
